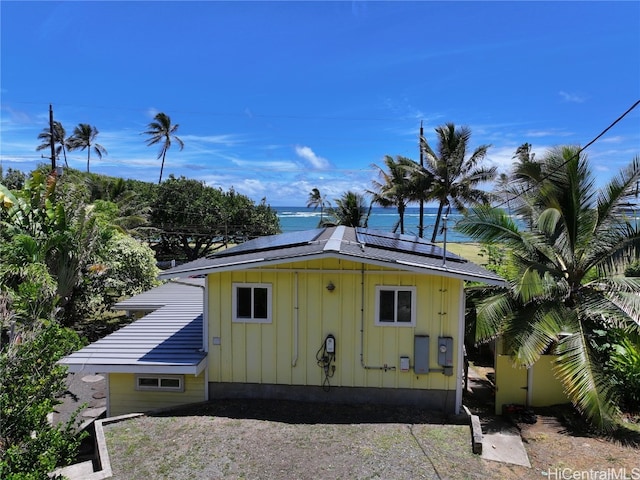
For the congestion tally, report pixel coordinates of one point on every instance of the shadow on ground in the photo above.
(294, 412)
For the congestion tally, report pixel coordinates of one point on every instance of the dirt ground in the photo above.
(559, 444)
(296, 440)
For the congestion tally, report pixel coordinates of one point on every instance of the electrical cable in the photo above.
(574, 156)
(324, 359)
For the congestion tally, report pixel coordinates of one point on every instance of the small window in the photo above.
(252, 302)
(170, 383)
(396, 306)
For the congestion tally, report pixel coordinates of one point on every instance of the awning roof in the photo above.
(167, 340)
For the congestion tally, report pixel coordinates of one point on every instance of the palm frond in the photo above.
(585, 383)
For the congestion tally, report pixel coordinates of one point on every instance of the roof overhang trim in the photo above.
(155, 368)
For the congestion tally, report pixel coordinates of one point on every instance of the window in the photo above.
(170, 383)
(396, 306)
(252, 302)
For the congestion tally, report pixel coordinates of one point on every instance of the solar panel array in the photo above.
(403, 243)
(272, 242)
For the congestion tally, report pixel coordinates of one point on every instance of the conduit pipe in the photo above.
(296, 319)
(362, 362)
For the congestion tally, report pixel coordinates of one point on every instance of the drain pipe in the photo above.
(296, 319)
(362, 363)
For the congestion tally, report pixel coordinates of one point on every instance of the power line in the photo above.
(574, 156)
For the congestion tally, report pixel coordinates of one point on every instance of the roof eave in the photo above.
(151, 368)
(403, 265)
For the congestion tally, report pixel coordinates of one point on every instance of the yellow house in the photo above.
(335, 314)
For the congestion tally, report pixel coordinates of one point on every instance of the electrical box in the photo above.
(404, 364)
(421, 354)
(445, 351)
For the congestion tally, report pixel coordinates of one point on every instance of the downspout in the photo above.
(460, 374)
(296, 315)
(362, 363)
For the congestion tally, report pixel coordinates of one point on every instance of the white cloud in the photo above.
(227, 139)
(571, 97)
(307, 154)
(546, 133)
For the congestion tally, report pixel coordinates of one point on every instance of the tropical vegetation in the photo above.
(162, 132)
(455, 178)
(59, 140)
(351, 210)
(398, 185)
(84, 138)
(317, 199)
(567, 294)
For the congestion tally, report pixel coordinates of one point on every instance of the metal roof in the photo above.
(170, 293)
(403, 252)
(168, 340)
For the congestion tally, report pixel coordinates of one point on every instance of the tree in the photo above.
(30, 447)
(13, 180)
(59, 139)
(567, 281)
(194, 219)
(350, 210)
(455, 178)
(396, 187)
(83, 137)
(161, 130)
(40, 231)
(315, 200)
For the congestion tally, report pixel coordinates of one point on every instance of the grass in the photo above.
(247, 443)
(467, 250)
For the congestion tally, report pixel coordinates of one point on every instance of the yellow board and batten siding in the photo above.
(513, 383)
(265, 352)
(124, 398)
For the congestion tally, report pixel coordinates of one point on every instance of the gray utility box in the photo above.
(421, 354)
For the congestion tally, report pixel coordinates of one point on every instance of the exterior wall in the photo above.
(305, 312)
(124, 398)
(546, 388)
(512, 383)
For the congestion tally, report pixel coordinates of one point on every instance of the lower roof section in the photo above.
(168, 340)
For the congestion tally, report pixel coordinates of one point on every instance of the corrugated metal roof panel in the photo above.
(168, 340)
(186, 291)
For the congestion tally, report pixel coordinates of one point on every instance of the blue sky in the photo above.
(276, 98)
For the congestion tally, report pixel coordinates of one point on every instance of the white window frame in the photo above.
(252, 286)
(159, 387)
(396, 289)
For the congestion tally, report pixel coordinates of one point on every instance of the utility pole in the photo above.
(52, 141)
(421, 224)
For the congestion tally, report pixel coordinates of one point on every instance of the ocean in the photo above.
(302, 218)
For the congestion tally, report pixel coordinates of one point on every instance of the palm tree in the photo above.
(161, 130)
(350, 210)
(59, 139)
(396, 186)
(455, 179)
(84, 136)
(315, 200)
(566, 283)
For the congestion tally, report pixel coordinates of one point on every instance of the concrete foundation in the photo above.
(436, 400)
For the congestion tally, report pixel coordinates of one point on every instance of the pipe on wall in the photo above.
(362, 362)
(296, 319)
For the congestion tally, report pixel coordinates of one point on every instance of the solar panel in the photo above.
(271, 242)
(403, 243)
